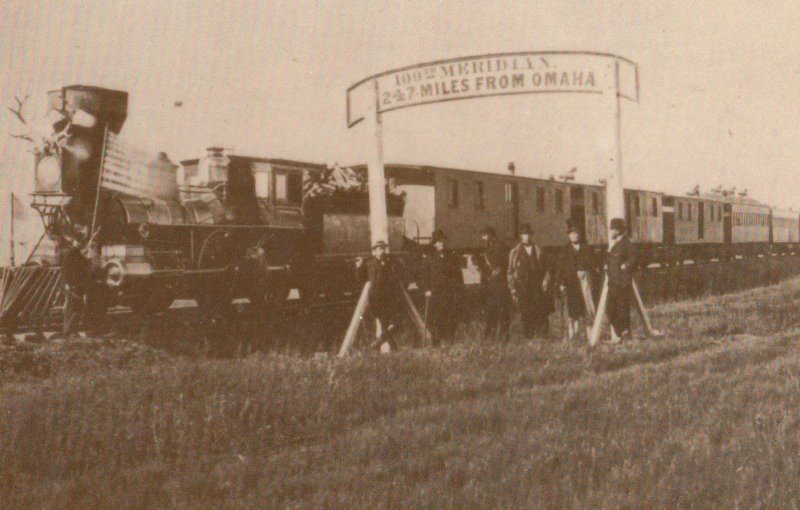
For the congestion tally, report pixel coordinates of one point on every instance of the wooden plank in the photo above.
(358, 317)
(597, 327)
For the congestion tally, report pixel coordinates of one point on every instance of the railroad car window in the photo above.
(539, 199)
(711, 212)
(680, 210)
(654, 210)
(509, 192)
(689, 211)
(559, 201)
(636, 209)
(479, 195)
(452, 193)
(595, 203)
(719, 212)
(288, 188)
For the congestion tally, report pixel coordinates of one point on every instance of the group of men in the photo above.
(524, 278)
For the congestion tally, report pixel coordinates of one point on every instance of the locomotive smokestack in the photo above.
(92, 110)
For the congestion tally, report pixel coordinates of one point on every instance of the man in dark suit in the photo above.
(528, 279)
(442, 282)
(385, 296)
(493, 265)
(576, 268)
(621, 264)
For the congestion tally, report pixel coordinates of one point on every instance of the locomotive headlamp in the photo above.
(144, 230)
(48, 174)
(115, 273)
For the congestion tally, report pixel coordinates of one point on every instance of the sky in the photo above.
(719, 103)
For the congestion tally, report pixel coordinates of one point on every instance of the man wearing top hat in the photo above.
(385, 297)
(528, 280)
(493, 266)
(621, 264)
(442, 282)
(575, 269)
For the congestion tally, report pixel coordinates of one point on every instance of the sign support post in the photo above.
(376, 178)
(615, 208)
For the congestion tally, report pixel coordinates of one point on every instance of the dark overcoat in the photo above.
(528, 278)
(385, 297)
(570, 261)
(622, 260)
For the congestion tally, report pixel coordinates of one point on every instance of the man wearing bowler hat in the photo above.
(385, 297)
(442, 282)
(621, 264)
(493, 265)
(528, 279)
(576, 267)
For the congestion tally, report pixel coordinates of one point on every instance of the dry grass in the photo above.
(705, 418)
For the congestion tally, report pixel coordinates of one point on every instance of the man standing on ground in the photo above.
(528, 279)
(442, 282)
(385, 296)
(621, 264)
(493, 265)
(576, 266)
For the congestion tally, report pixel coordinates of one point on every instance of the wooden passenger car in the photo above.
(785, 231)
(462, 203)
(750, 226)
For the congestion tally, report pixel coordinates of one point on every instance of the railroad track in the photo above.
(188, 310)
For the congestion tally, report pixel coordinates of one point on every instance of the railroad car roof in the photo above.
(272, 161)
(432, 168)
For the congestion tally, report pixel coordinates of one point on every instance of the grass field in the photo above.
(707, 417)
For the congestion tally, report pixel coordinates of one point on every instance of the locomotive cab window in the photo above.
(288, 188)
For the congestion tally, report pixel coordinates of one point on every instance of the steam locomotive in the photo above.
(214, 229)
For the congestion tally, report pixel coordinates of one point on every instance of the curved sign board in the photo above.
(494, 75)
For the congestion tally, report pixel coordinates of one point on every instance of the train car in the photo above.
(785, 231)
(643, 214)
(694, 227)
(462, 202)
(750, 226)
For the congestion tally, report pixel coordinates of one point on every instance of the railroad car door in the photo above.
(515, 208)
(701, 220)
(628, 213)
(727, 224)
(668, 219)
(577, 210)
(771, 233)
